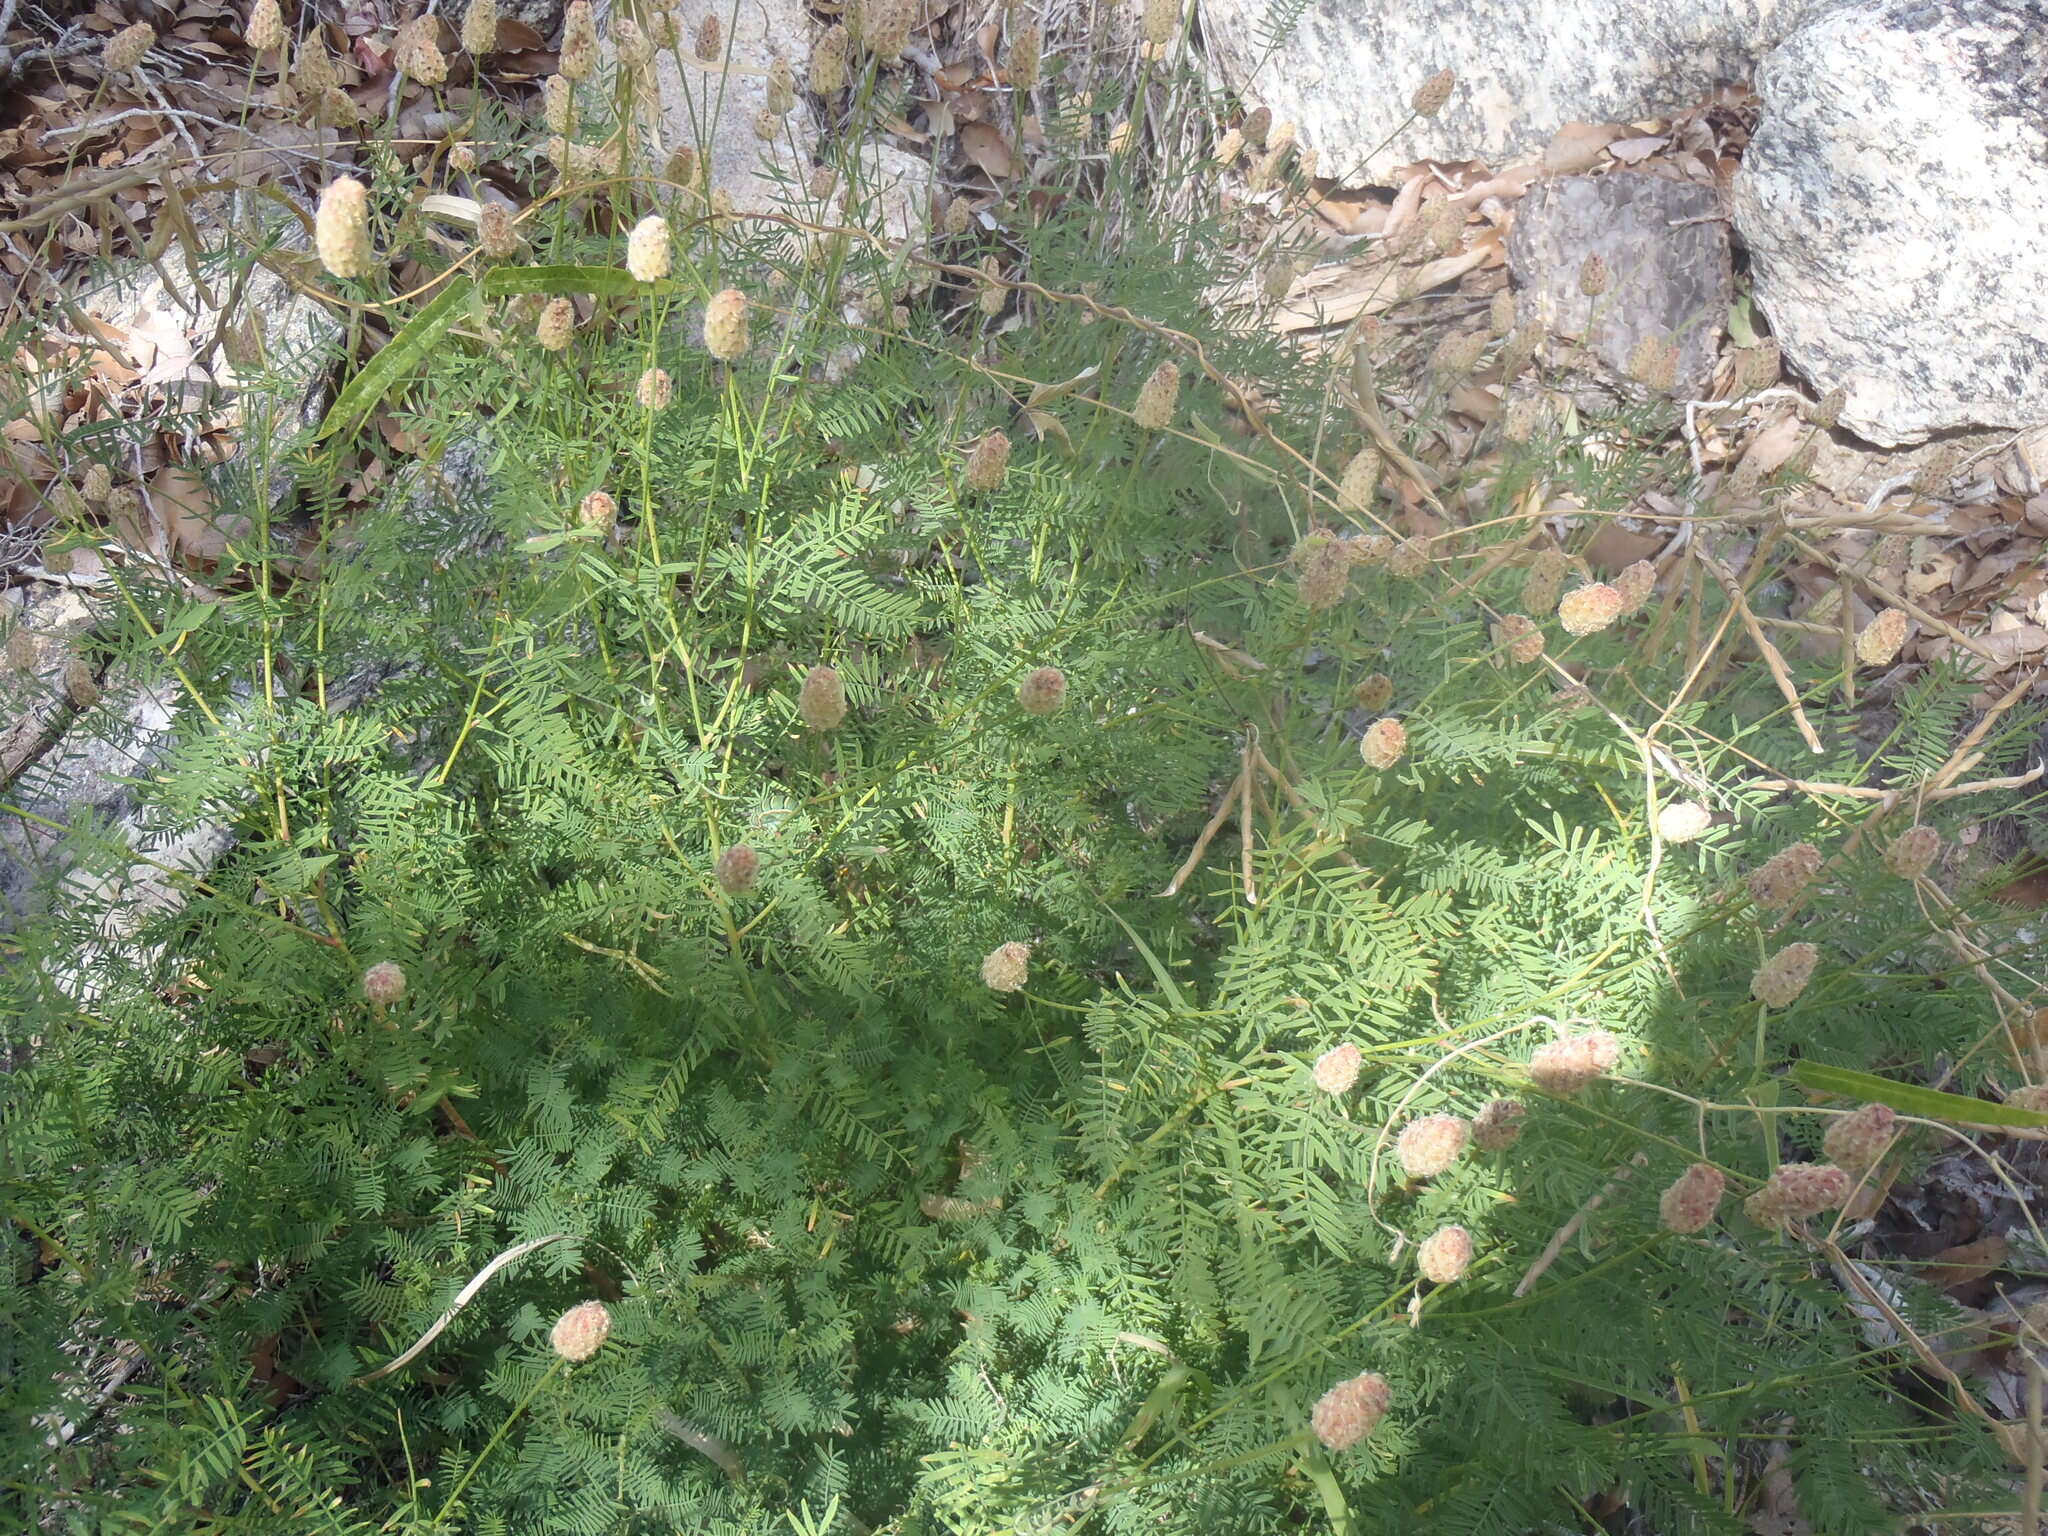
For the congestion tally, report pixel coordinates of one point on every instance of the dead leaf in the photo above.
(182, 500)
(1633, 151)
(1577, 147)
(983, 143)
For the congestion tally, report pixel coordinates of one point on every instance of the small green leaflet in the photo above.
(395, 359)
(1909, 1099)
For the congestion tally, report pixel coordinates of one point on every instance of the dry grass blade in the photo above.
(1780, 673)
(462, 1299)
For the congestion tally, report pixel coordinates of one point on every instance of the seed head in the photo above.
(417, 51)
(632, 45)
(781, 87)
(1445, 1255)
(1432, 95)
(1795, 1192)
(987, 462)
(821, 700)
(80, 686)
(384, 983)
(1337, 1068)
(1360, 478)
(1545, 580)
(1589, 609)
(1911, 854)
(1516, 353)
(1566, 1066)
(1635, 584)
(1859, 1140)
(557, 324)
(1021, 65)
(1778, 883)
(1757, 368)
(725, 325)
(1322, 568)
(598, 512)
(1524, 417)
(2032, 1098)
(313, 70)
(647, 250)
(1654, 363)
(655, 389)
(1500, 314)
(1229, 147)
(579, 41)
(127, 47)
(1432, 1144)
(710, 41)
(1157, 399)
(480, 28)
(1882, 637)
(96, 484)
(1828, 409)
(1683, 821)
(266, 27)
(496, 233)
(885, 27)
(1007, 967)
(1383, 743)
(1159, 21)
(1257, 124)
(1374, 692)
(1594, 278)
(1368, 549)
(1498, 1125)
(828, 60)
(1693, 1198)
(1351, 1410)
(462, 157)
(993, 296)
(1043, 691)
(1780, 980)
(341, 228)
(580, 1332)
(1458, 354)
(737, 869)
(1519, 636)
(21, 648)
(558, 104)
(1121, 137)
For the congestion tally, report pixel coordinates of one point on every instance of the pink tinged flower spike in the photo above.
(1043, 691)
(1498, 1125)
(737, 869)
(1795, 1192)
(1780, 980)
(647, 250)
(1337, 1069)
(1007, 967)
(725, 325)
(1445, 1255)
(1859, 1140)
(1564, 1067)
(1781, 879)
(384, 983)
(1683, 821)
(580, 1332)
(821, 701)
(1913, 852)
(1431, 1145)
(1589, 609)
(1693, 1198)
(1351, 1410)
(1384, 743)
(341, 228)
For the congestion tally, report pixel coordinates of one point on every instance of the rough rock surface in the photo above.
(1666, 251)
(1346, 71)
(1894, 200)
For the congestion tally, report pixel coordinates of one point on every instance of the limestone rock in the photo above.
(1893, 200)
(1665, 247)
(1346, 70)
(713, 108)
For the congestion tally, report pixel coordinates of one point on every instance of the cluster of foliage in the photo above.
(933, 1170)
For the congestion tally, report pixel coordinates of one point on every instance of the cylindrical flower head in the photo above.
(97, 484)
(579, 41)
(1540, 588)
(655, 389)
(1564, 1067)
(1654, 363)
(647, 250)
(1007, 967)
(1158, 22)
(725, 325)
(1757, 368)
(1911, 854)
(1229, 147)
(1795, 1192)
(1434, 93)
(1693, 1198)
(1351, 1410)
(1594, 278)
(1636, 584)
(737, 868)
(1780, 980)
(1410, 559)
(821, 701)
(993, 295)
(80, 686)
(417, 51)
(1784, 876)
(1373, 692)
(127, 48)
(1020, 65)
(1383, 743)
(1361, 478)
(1589, 609)
(480, 28)
(781, 87)
(1683, 821)
(384, 983)
(1043, 691)
(580, 1332)
(496, 232)
(1882, 637)
(1860, 1139)
(1445, 1255)
(885, 27)
(557, 103)
(1157, 399)
(1337, 1068)
(1367, 549)
(1322, 569)
(988, 462)
(1500, 315)
(1828, 409)
(1498, 1125)
(598, 511)
(828, 61)
(2033, 1098)
(312, 69)
(556, 325)
(1519, 636)
(266, 27)
(1428, 1146)
(710, 41)
(341, 228)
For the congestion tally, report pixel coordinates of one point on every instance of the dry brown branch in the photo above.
(1780, 673)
